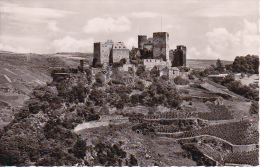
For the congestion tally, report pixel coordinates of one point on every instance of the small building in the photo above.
(173, 72)
(164, 70)
(134, 53)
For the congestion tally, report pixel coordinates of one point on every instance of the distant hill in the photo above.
(201, 63)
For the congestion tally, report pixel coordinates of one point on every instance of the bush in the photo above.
(254, 108)
(140, 70)
(79, 149)
(246, 64)
(181, 81)
(97, 96)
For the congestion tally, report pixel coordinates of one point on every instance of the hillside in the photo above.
(20, 73)
(149, 150)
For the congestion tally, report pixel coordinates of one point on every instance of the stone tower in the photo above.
(161, 45)
(179, 56)
(142, 39)
(102, 51)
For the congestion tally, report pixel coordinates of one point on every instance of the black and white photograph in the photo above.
(129, 82)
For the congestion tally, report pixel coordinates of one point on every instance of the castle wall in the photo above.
(161, 45)
(150, 63)
(119, 54)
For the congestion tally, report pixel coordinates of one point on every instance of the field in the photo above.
(248, 80)
(239, 109)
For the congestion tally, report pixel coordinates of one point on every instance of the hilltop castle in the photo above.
(154, 50)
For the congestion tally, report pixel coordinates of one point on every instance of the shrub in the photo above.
(181, 81)
(254, 108)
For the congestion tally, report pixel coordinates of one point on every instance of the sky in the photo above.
(210, 29)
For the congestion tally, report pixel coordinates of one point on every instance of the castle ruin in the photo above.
(154, 51)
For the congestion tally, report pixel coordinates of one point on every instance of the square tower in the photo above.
(102, 51)
(161, 45)
(142, 39)
(179, 56)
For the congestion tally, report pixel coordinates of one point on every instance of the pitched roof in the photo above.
(119, 45)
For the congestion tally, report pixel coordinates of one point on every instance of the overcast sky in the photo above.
(210, 29)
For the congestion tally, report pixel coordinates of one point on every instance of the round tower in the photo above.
(142, 39)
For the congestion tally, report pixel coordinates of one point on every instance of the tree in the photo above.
(131, 71)
(220, 66)
(97, 96)
(133, 160)
(122, 61)
(165, 77)
(135, 99)
(140, 70)
(246, 64)
(89, 75)
(79, 149)
(229, 78)
(254, 108)
(100, 78)
(139, 85)
(113, 98)
(154, 72)
(229, 67)
(180, 81)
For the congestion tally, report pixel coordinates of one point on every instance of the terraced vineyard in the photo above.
(235, 132)
(218, 112)
(250, 158)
